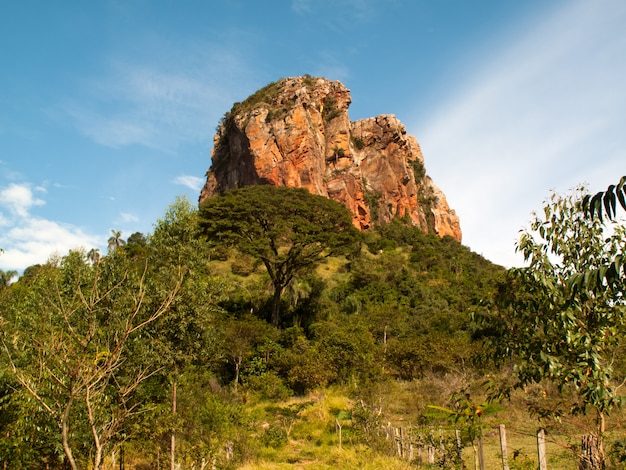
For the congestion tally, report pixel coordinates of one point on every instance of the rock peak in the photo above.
(296, 132)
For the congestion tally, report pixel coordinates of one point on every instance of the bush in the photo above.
(243, 265)
(268, 386)
(274, 437)
(330, 110)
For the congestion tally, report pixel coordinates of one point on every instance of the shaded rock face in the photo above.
(297, 133)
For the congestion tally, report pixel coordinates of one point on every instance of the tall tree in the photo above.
(115, 240)
(71, 342)
(186, 336)
(6, 277)
(553, 332)
(289, 230)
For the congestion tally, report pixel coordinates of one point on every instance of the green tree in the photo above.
(93, 255)
(289, 230)
(186, 335)
(115, 240)
(71, 340)
(242, 338)
(136, 246)
(6, 277)
(553, 332)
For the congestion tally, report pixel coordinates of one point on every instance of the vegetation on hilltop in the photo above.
(168, 347)
(265, 97)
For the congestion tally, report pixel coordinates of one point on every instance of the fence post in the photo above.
(431, 448)
(398, 434)
(541, 449)
(505, 457)
(481, 454)
(459, 448)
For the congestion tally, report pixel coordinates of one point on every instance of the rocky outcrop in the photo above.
(297, 133)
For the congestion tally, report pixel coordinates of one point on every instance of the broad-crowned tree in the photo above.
(288, 229)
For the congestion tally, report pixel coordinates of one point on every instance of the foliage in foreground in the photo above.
(207, 378)
(556, 329)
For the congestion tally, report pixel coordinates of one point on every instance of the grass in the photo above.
(330, 458)
(313, 438)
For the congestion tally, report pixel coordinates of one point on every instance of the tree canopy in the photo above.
(555, 333)
(70, 340)
(289, 230)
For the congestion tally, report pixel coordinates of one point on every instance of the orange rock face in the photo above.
(297, 133)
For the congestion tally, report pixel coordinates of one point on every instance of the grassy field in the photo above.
(311, 439)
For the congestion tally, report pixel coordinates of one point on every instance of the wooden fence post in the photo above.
(541, 449)
(431, 448)
(505, 457)
(481, 454)
(459, 447)
(398, 436)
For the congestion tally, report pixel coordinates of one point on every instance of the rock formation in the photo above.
(296, 132)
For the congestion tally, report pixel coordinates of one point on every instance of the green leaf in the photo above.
(609, 202)
(620, 191)
(596, 205)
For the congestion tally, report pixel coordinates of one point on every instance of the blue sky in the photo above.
(108, 108)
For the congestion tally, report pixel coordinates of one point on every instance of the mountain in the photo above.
(296, 132)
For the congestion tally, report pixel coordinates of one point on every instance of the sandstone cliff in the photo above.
(296, 132)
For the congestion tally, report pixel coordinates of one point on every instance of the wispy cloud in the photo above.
(29, 240)
(158, 103)
(547, 112)
(301, 6)
(126, 217)
(192, 182)
(361, 10)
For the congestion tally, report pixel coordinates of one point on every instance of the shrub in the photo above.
(358, 142)
(330, 110)
(274, 437)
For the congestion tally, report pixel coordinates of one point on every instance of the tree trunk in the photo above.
(592, 448)
(65, 434)
(238, 362)
(591, 455)
(173, 436)
(97, 459)
(278, 290)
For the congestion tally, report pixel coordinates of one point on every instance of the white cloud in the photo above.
(33, 240)
(18, 199)
(547, 113)
(4, 221)
(28, 240)
(192, 182)
(126, 217)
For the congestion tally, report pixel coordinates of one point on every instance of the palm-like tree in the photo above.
(5, 278)
(94, 254)
(116, 240)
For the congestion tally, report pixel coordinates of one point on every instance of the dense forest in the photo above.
(264, 317)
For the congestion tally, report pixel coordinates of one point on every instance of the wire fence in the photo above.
(496, 448)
